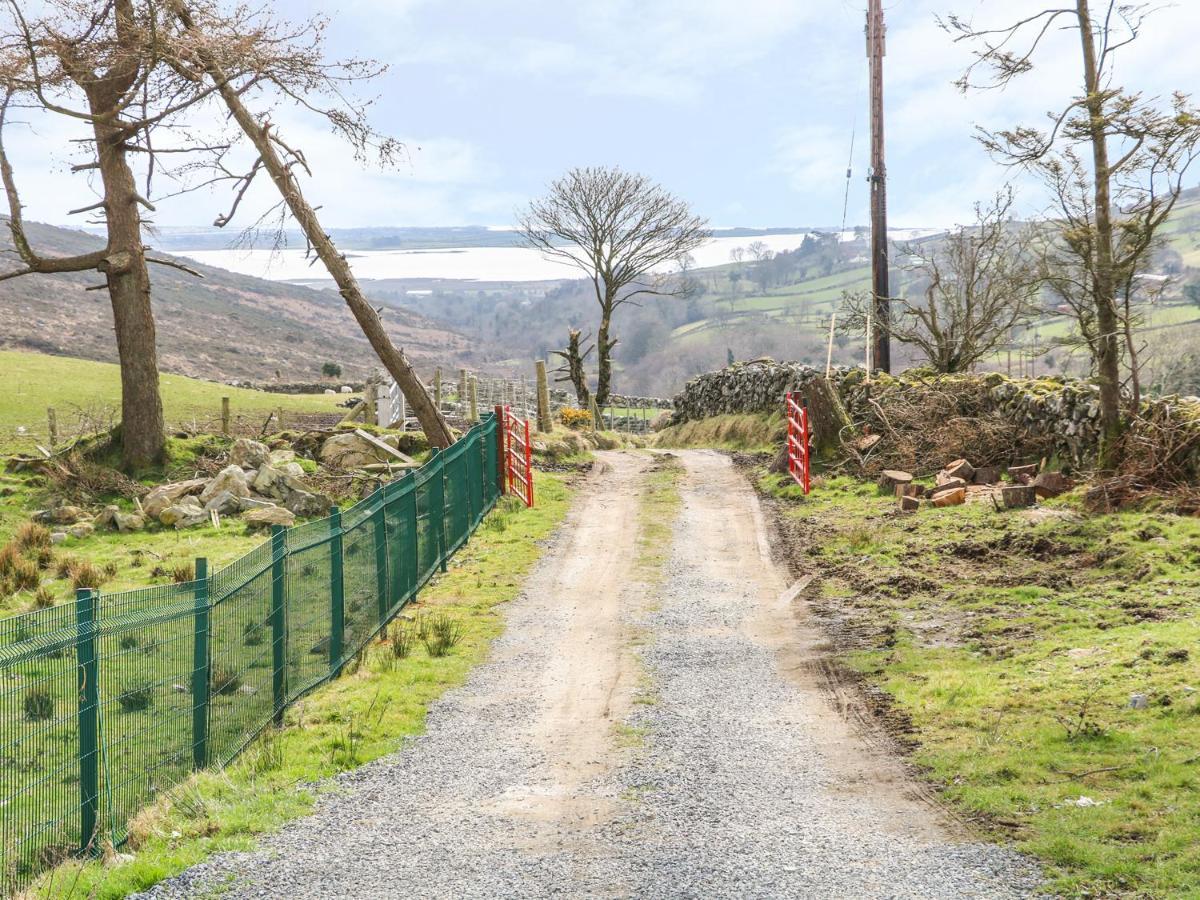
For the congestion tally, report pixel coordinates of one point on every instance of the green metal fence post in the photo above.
(379, 527)
(278, 621)
(437, 504)
(337, 594)
(201, 669)
(89, 719)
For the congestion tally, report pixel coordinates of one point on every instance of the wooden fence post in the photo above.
(544, 422)
(462, 389)
(437, 387)
(473, 395)
(225, 416)
(370, 398)
(52, 421)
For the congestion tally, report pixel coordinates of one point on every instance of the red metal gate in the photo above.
(797, 442)
(518, 456)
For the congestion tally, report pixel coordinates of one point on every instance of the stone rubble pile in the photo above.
(265, 487)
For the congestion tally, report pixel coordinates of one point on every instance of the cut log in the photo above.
(948, 484)
(1023, 474)
(1052, 484)
(909, 504)
(986, 475)
(1017, 496)
(889, 478)
(910, 490)
(954, 497)
(960, 468)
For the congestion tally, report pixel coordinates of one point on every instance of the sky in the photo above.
(745, 108)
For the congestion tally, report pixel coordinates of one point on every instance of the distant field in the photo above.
(89, 393)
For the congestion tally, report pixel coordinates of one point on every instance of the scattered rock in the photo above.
(64, 515)
(184, 514)
(247, 689)
(57, 537)
(349, 451)
(105, 517)
(1138, 701)
(179, 688)
(81, 530)
(281, 456)
(248, 454)
(306, 504)
(224, 503)
(165, 495)
(268, 516)
(246, 503)
(230, 480)
(127, 522)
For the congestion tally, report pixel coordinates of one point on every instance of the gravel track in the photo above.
(629, 738)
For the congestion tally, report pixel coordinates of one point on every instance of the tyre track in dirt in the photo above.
(745, 781)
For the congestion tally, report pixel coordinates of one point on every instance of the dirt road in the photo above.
(640, 730)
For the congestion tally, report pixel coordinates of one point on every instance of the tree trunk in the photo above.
(433, 423)
(575, 371)
(604, 348)
(1108, 358)
(124, 266)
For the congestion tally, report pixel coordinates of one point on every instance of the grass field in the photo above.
(369, 712)
(1045, 664)
(88, 395)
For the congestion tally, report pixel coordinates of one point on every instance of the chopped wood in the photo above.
(385, 447)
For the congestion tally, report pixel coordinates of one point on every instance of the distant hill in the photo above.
(221, 327)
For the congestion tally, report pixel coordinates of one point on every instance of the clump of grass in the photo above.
(225, 681)
(65, 567)
(137, 697)
(25, 575)
(110, 570)
(43, 556)
(9, 554)
(401, 640)
(31, 536)
(130, 642)
(861, 538)
(442, 634)
(253, 634)
(39, 705)
(85, 575)
(42, 598)
(183, 573)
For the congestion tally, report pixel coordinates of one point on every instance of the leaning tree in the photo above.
(1113, 160)
(624, 232)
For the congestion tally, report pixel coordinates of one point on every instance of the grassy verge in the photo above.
(87, 395)
(748, 432)
(657, 510)
(1011, 646)
(364, 715)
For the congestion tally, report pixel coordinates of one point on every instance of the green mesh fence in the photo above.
(108, 703)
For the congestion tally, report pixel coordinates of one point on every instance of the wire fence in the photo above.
(108, 703)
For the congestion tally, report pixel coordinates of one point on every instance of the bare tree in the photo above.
(1112, 207)
(975, 285)
(572, 370)
(621, 230)
(90, 63)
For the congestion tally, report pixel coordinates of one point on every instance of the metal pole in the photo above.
(201, 669)
(89, 720)
(278, 622)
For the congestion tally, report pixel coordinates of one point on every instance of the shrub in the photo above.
(183, 573)
(85, 575)
(110, 570)
(42, 598)
(31, 535)
(575, 418)
(442, 634)
(137, 697)
(39, 705)
(43, 556)
(66, 567)
(225, 681)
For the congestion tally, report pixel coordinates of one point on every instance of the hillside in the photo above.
(221, 327)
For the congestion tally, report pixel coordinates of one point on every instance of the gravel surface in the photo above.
(733, 777)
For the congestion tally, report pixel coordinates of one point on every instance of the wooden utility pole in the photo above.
(876, 48)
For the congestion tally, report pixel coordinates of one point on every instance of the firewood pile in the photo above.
(960, 482)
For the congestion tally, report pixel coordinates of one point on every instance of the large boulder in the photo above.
(349, 451)
(281, 456)
(271, 482)
(230, 480)
(268, 516)
(248, 454)
(184, 514)
(166, 495)
(224, 503)
(127, 522)
(307, 505)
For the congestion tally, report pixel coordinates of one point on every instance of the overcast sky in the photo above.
(743, 107)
